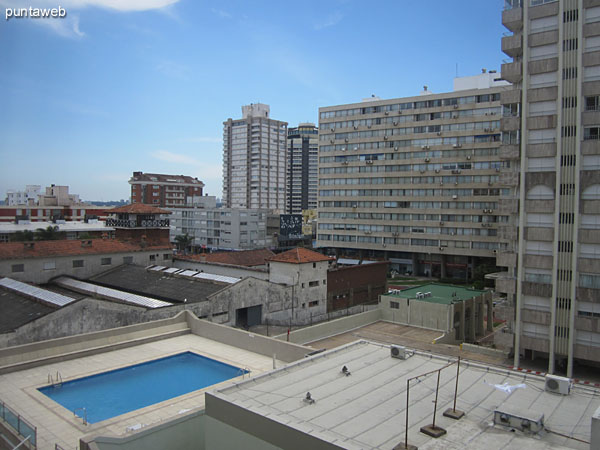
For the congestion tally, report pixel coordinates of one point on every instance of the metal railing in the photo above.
(19, 424)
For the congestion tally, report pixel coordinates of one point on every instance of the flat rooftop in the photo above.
(440, 293)
(368, 408)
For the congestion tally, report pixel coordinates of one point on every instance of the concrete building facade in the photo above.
(165, 191)
(254, 160)
(416, 181)
(550, 130)
(302, 171)
(27, 197)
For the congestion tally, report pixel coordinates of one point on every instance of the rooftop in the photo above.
(248, 258)
(41, 249)
(157, 284)
(138, 208)
(164, 178)
(440, 293)
(300, 255)
(10, 227)
(18, 309)
(368, 408)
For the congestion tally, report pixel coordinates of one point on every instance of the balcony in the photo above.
(541, 122)
(139, 223)
(510, 97)
(512, 72)
(508, 205)
(506, 259)
(543, 38)
(510, 123)
(508, 152)
(513, 19)
(512, 45)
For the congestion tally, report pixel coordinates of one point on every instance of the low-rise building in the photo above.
(460, 312)
(165, 191)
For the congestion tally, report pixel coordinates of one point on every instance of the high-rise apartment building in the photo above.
(165, 191)
(417, 181)
(303, 150)
(254, 160)
(551, 125)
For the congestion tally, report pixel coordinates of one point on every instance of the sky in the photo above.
(119, 86)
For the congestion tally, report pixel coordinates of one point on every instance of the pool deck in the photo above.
(57, 425)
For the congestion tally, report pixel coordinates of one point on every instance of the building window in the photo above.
(314, 265)
(591, 133)
(106, 261)
(592, 103)
(50, 265)
(394, 305)
(77, 263)
(302, 285)
(127, 259)
(18, 268)
(313, 303)
(313, 283)
(152, 257)
(166, 256)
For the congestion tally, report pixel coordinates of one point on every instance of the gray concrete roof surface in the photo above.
(138, 280)
(367, 409)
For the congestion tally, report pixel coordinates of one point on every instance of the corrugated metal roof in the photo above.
(213, 277)
(188, 273)
(35, 292)
(156, 268)
(351, 262)
(172, 270)
(111, 293)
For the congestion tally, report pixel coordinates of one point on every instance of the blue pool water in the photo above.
(117, 392)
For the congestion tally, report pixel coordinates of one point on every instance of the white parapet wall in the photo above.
(333, 327)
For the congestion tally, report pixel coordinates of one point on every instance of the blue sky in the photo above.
(125, 85)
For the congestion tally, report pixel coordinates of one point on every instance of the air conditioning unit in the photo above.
(355, 127)
(397, 351)
(469, 157)
(455, 106)
(386, 113)
(457, 146)
(441, 223)
(395, 149)
(427, 159)
(367, 232)
(332, 140)
(490, 211)
(454, 197)
(425, 147)
(441, 249)
(343, 149)
(369, 126)
(441, 183)
(437, 170)
(369, 162)
(400, 112)
(395, 234)
(385, 138)
(396, 123)
(346, 140)
(558, 385)
(332, 129)
(345, 163)
(439, 133)
(526, 421)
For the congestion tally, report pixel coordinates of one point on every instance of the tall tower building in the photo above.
(416, 180)
(550, 127)
(254, 160)
(303, 149)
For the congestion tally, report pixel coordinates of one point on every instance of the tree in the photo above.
(22, 236)
(50, 233)
(183, 241)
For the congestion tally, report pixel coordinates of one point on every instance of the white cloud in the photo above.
(329, 21)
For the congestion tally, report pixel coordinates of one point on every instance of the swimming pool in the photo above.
(117, 392)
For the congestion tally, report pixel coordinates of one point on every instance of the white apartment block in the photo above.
(418, 181)
(254, 160)
(27, 197)
(551, 126)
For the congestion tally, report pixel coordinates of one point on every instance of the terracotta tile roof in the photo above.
(248, 258)
(138, 208)
(43, 249)
(300, 255)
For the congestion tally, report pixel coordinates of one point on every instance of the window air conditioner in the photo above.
(395, 123)
(469, 157)
(454, 197)
(558, 385)
(398, 352)
(427, 159)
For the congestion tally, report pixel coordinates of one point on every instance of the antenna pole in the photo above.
(406, 426)
(456, 388)
(437, 389)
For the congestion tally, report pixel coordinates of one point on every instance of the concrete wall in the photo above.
(595, 438)
(90, 315)
(179, 434)
(434, 316)
(331, 328)
(256, 343)
(66, 348)
(34, 271)
(219, 435)
(221, 269)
